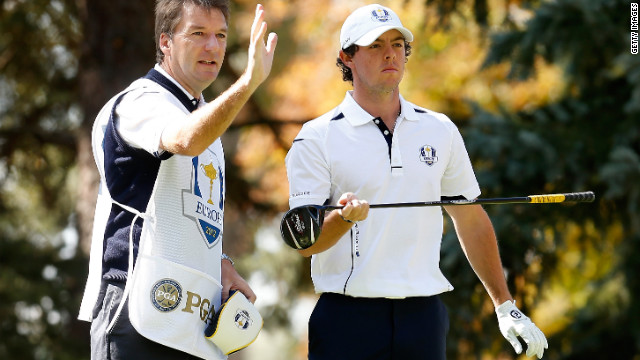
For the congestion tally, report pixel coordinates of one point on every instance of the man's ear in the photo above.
(346, 59)
(165, 43)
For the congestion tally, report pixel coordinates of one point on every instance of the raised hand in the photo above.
(260, 53)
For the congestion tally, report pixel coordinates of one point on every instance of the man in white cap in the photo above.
(378, 272)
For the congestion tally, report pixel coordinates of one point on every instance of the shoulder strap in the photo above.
(160, 79)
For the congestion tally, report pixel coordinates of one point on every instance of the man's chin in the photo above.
(207, 79)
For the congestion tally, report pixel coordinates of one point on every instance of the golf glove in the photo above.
(514, 323)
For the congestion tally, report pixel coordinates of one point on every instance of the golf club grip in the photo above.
(587, 196)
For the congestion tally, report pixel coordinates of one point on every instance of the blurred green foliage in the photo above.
(587, 140)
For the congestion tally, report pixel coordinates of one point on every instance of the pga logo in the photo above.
(166, 295)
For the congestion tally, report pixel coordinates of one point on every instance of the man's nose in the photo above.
(389, 54)
(213, 43)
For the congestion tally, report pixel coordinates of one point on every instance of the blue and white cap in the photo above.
(367, 23)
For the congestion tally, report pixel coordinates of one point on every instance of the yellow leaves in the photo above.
(307, 88)
(583, 277)
(546, 87)
(261, 162)
(443, 72)
(438, 41)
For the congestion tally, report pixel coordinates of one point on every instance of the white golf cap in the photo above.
(367, 23)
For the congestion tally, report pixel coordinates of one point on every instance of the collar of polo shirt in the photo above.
(357, 116)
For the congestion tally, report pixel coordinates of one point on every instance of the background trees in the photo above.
(546, 94)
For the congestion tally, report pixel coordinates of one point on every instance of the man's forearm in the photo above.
(478, 241)
(208, 123)
(333, 230)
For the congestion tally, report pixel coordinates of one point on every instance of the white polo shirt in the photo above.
(144, 113)
(394, 252)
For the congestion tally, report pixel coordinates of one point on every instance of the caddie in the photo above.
(377, 272)
(157, 274)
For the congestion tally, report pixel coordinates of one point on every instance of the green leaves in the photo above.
(587, 140)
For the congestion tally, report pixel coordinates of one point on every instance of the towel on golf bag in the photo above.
(236, 325)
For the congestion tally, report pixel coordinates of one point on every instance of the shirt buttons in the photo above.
(386, 132)
(376, 121)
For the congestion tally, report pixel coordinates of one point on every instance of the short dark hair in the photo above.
(347, 75)
(169, 14)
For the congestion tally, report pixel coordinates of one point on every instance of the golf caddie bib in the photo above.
(173, 285)
(174, 288)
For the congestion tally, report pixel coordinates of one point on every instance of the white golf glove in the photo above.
(514, 323)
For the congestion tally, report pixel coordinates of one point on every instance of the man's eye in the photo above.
(198, 33)
(222, 36)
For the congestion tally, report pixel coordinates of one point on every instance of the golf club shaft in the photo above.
(587, 196)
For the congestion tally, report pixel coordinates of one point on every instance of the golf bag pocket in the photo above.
(171, 303)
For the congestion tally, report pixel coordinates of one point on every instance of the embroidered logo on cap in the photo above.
(381, 15)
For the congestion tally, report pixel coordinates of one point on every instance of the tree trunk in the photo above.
(118, 47)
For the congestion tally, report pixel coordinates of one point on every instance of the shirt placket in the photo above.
(395, 158)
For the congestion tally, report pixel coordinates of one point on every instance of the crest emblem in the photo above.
(166, 295)
(242, 319)
(428, 155)
(204, 202)
(381, 15)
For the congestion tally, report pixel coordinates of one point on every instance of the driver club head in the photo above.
(300, 227)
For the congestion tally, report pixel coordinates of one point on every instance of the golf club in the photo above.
(301, 226)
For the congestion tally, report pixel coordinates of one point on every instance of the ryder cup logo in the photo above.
(381, 15)
(166, 295)
(428, 155)
(242, 319)
(204, 202)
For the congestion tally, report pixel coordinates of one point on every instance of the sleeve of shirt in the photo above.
(143, 115)
(307, 170)
(459, 178)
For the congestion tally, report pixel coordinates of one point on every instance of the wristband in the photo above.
(226, 257)
(349, 221)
